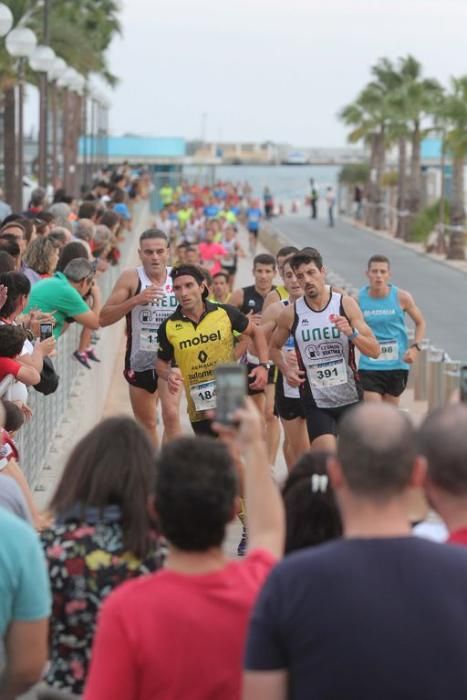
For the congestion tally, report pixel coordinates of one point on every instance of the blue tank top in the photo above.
(386, 319)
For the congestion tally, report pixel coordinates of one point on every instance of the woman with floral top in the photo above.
(102, 537)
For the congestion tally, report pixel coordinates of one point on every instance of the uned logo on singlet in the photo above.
(326, 333)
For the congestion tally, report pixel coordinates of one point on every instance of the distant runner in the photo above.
(384, 307)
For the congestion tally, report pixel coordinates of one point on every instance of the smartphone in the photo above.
(231, 390)
(46, 330)
(463, 384)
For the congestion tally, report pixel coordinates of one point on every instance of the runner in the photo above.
(384, 307)
(250, 301)
(254, 215)
(220, 288)
(234, 251)
(197, 337)
(280, 292)
(145, 296)
(326, 326)
(288, 404)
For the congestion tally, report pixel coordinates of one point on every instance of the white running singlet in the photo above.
(143, 323)
(326, 354)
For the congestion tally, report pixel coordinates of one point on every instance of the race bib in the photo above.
(148, 340)
(389, 351)
(328, 373)
(204, 395)
(228, 261)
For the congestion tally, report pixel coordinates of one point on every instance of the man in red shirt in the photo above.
(180, 633)
(443, 442)
(211, 253)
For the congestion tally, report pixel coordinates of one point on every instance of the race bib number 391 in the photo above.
(326, 374)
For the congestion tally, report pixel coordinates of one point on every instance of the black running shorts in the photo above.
(146, 380)
(324, 421)
(384, 381)
(250, 368)
(286, 407)
(203, 427)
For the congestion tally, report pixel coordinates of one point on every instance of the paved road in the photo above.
(440, 291)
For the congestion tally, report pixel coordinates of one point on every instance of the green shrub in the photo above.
(424, 223)
(354, 174)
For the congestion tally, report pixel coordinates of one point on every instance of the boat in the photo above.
(295, 158)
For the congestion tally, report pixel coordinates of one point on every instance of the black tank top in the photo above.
(252, 300)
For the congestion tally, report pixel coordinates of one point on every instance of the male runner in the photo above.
(288, 404)
(326, 326)
(250, 301)
(145, 297)
(280, 292)
(384, 307)
(197, 337)
(220, 288)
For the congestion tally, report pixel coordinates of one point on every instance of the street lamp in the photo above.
(20, 43)
(56, 70)
(6, 19)
(41, 60)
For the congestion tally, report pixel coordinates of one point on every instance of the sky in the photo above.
(261, 70)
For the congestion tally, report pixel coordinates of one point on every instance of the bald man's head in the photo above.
(376, 449)
(442, 440)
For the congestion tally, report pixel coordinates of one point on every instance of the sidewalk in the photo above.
(460, 265)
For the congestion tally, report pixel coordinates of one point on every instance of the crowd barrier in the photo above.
(52, 418)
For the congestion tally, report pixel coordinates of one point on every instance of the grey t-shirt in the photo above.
(12, 498)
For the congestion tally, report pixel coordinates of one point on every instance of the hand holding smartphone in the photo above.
(46, 330)
(231, 391)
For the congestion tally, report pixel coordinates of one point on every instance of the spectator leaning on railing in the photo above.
(62, 295)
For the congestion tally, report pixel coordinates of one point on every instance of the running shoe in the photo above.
(241, 549)
(82, 358)
(91, 355)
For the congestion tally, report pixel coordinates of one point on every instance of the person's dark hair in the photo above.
(442, 440)
(221, 273)
(311, 513)
(264, 259)
(153, 233)
(14, 417)
(45, 216)
(305, 257)
(111, 465)
(28, 225)
(58, 235)
(69, 252)
(206, 275)
(110, 219)
(196, 486)
(10, 245)
(17, 285)
(286, 251)
(378, 259)
(87, 210)
(118, 196)
(7, 262)
(377, 450)
(59, 194)
(192, 271)
(11, 340)
(184, 244)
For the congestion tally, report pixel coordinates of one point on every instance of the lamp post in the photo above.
(20, 43)
(42, 60)
(56, 70)
(8, 112)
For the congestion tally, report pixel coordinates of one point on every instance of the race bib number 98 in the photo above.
(389, 351)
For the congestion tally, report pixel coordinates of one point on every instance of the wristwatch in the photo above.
(354, 334)
(266, 365)
(416, 345)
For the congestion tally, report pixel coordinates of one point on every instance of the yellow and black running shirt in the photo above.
(282, 292)
(197, 349)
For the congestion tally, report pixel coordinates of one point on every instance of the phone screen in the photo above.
(45, 330)
(231, 390)
(463, 384)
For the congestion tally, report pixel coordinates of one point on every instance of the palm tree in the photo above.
(367, 115)
(454, 112)
(420, 99)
